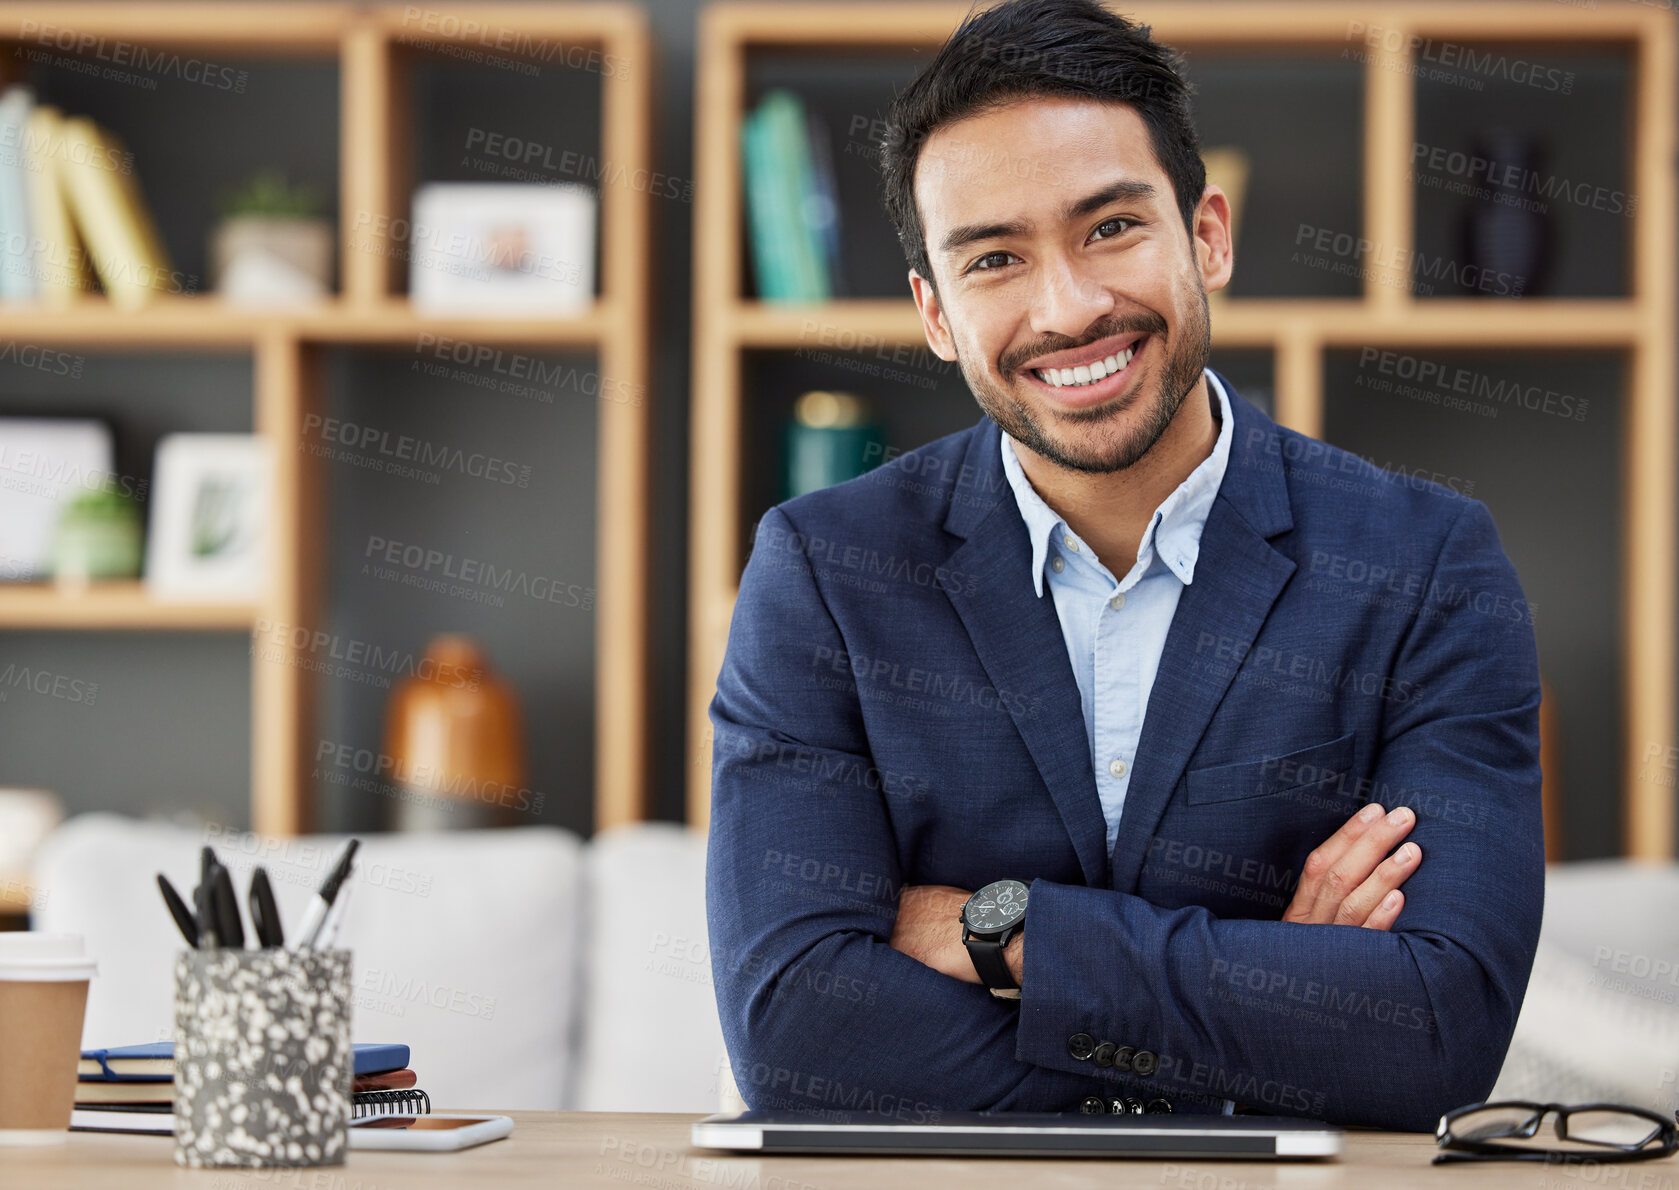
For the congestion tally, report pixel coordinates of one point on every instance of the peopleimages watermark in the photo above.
(1346, 254)
(45, 683)
(443, 572)
(37, 358)
(1505, 183)
(522, 159)
(119, 59)
(404, 455)
(1440, 60)
(507, 370)
(367, 771)
(1457, 387)
(467, 37)
(347, 657)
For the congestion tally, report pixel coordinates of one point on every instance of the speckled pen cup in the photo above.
(263, 1062)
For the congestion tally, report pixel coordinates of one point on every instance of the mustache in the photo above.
(1148, 323)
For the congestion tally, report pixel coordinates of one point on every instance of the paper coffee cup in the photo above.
(43, 996)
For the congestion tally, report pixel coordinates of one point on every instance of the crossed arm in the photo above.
(1387, 1026)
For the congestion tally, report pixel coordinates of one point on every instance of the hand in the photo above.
(929, 930)
(1348, 882)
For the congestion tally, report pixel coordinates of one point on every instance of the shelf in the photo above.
(1252, 322)
(207, 321)
(116, 606)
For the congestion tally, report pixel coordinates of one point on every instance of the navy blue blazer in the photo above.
(896, 707)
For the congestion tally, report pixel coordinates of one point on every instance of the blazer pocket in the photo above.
(1305, 768)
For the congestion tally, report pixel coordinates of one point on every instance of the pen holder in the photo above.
(263, 1063)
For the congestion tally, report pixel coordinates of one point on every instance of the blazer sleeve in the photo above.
(802, 881)
(1388, 1029)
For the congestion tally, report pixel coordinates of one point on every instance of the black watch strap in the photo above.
(987, 954)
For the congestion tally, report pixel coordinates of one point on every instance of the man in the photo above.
(1208, 690)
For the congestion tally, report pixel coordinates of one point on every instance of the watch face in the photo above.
(997, 906)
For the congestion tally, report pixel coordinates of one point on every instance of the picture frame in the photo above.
(209, 526)
(494, 248)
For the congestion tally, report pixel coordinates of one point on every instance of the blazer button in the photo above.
(1104, 1055)
(1134, 1105)
(1081, 1046)
(1158, 1107)
(1116, 1107)
(1092, 1105)
(1144, 1063)
(1124, 1058)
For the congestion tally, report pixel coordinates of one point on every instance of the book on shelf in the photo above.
(57, 261)
(792, 208)
(17, 282)
(97, 178)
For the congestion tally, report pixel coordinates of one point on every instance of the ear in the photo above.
(1215, 254)
(933, 322)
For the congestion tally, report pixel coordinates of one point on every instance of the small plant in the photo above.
(269, 195)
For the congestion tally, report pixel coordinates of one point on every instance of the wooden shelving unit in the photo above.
(1639, 326)
(375, 47)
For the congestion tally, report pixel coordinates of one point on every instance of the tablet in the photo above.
(435, 1133)
(1022, 1134)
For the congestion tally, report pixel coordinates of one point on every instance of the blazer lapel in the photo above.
(1017, 636)
(1238, 577)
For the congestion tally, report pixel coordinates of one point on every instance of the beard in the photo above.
(1096, 440)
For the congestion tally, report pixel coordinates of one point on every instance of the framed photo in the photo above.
(210, 517)
(501, 248)
(45, 463)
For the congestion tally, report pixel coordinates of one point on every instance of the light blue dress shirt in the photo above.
(1116, 628)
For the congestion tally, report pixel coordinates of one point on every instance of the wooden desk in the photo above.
(563, 1150)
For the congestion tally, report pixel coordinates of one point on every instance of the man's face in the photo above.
(1069, 290)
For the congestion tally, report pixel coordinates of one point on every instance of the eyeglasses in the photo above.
(1508, 1130)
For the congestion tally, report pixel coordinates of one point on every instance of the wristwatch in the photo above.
(990, 919)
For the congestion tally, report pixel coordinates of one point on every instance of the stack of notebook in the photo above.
(132, 1088)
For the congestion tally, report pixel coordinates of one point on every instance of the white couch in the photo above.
(524, 968)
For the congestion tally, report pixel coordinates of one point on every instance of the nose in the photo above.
(1066, 300)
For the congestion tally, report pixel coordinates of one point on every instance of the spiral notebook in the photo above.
(410, 1102)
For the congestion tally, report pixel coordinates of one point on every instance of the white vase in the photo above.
(265, 260)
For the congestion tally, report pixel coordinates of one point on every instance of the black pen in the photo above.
(308, 934)
(265, 913)
(230, 929)
(178, 910)
(207, 935)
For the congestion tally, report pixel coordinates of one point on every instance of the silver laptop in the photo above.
(1022, 1134)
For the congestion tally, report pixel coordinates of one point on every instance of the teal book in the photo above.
(788, 134)
(769, 220)
(17, 282)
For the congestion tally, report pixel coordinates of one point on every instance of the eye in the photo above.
(991, 260)
(1109, 228)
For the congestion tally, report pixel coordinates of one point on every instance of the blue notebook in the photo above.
(155, 1063)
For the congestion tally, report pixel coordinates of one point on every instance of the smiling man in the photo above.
(1077, 760)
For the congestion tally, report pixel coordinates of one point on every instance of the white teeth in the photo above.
(1088, 373)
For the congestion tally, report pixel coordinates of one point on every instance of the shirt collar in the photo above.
(1174, 531)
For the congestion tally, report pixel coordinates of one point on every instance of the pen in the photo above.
(308, 934)
(178, 910)
(230, 929)
(265, 913)
(206, 919)
(335, 916)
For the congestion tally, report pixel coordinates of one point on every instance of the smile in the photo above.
(1084, 377)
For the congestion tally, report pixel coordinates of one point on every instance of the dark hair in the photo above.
(1027, 48)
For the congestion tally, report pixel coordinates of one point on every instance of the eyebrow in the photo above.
(968, 233)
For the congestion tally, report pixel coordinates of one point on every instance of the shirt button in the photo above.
(1117, 602)
(1057, 565)
(1118, 768)
(1070, 542)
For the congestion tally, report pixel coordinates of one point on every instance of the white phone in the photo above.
(433, 1133)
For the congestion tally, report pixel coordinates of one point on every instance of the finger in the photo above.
(1387, 912)
(1324, 857)
(1360, 860)
(1388, 876)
